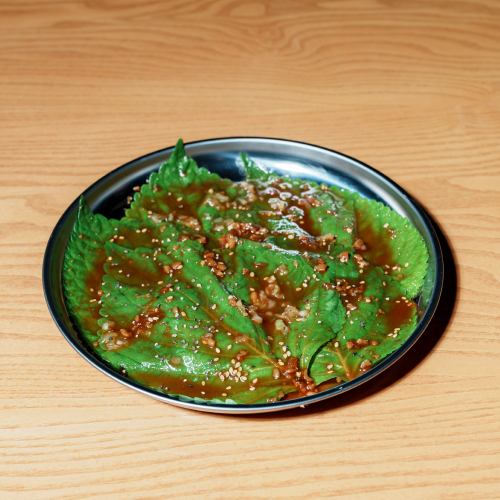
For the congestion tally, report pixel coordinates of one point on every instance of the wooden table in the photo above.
(410, 87)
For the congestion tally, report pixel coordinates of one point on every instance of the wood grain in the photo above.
(411, 87)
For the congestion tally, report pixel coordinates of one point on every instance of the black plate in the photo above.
(108, 196)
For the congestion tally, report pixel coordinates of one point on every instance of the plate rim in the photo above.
(241, 409)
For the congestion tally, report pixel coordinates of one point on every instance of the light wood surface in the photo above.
(410, 87)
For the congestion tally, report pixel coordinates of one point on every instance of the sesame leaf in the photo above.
(184, 333)
(254, 170)
(381, 322)
(309, 315)
(179, 187)
(324, 317)
(376, 223)
(83, 267)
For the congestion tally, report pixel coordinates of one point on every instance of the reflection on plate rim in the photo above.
(89, 356)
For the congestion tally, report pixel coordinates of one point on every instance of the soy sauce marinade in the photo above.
(244, 292)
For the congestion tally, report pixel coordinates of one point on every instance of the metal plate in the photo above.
(297, 159)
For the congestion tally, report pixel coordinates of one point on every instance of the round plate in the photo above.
(108, 196)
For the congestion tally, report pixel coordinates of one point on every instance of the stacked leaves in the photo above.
(243, 292)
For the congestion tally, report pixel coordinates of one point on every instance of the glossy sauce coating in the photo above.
(274, 303)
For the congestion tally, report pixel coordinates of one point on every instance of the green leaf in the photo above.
(178, 188)
(83, 268)
(254, 170)
(319, 313)
(392, 242)
(195, 304)
(324, 317)
(381, 322)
